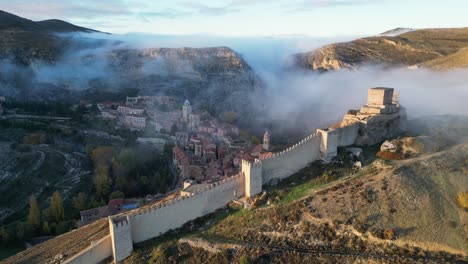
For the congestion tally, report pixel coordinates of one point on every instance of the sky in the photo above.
(316, 18)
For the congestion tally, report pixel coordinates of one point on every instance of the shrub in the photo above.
(244, 259)
(389, 234)
(387, 155)
(462, 200)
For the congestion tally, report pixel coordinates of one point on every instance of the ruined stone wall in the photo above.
(291, 160)
(95, 253)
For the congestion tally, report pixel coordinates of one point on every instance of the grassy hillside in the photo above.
(440, 47)
(390, 212)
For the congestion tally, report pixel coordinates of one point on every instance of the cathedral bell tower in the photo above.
(266, 141)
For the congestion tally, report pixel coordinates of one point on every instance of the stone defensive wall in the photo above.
(287, 162)
(95, 253)
(152, 221)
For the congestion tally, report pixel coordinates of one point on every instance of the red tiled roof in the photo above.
(117, 201)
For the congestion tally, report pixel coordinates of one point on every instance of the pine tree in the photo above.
(34, 216)
(56, 207)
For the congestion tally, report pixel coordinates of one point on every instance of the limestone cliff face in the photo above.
(431, 48)
(214, 78)
(42, 65)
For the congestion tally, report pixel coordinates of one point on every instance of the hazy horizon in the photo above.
(311, 18)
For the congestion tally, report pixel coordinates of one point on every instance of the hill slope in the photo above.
(23, 41)
(10, 22)
(410, 48)
(390, 212)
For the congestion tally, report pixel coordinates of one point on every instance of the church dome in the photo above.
(187, 102)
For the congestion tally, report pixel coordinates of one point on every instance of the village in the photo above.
(205, 149)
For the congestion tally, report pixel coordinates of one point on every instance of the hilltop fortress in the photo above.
(381, 118)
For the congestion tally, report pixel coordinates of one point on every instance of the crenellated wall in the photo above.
(150, 222)
(291, 160)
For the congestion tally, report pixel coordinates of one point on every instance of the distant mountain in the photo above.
(23, 40)
(432, 48)
(50, 66)
(13, 22)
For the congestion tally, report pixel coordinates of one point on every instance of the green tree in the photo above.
(143, 182)
(62, 227)
(56, 207)
(116, 194)
(4, 236)
(173, 129)
(34, 216)
(46, 228)
(102, 183)
(244, 259)
(121, 184)
(80, 201)
(254, 140)
(23, 230)
(46, 216)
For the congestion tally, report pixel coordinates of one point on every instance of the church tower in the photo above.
(186, 110)
(266, 141)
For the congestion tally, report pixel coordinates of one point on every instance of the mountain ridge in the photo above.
(9, 21)
(414, 48)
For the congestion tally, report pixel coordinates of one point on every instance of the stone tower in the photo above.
(266, 141)
(186, 110)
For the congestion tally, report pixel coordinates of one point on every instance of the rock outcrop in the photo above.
(431, 48)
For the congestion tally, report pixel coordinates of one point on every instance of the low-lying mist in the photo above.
(299, 100)
(323, 98)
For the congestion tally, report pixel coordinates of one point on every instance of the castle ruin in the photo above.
(381, 118)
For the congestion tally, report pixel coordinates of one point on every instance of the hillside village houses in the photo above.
(208, 151)
(205, 150)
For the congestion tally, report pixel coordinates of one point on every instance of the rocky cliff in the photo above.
(432, 48)
(39, 64)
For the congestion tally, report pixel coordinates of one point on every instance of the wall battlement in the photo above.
(122, 220)
(151, 221)
(289, 149)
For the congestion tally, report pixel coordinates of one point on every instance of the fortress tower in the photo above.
(186, 111)
(266, 141)
(380, 101)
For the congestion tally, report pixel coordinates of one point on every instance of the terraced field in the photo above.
(40, 170)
